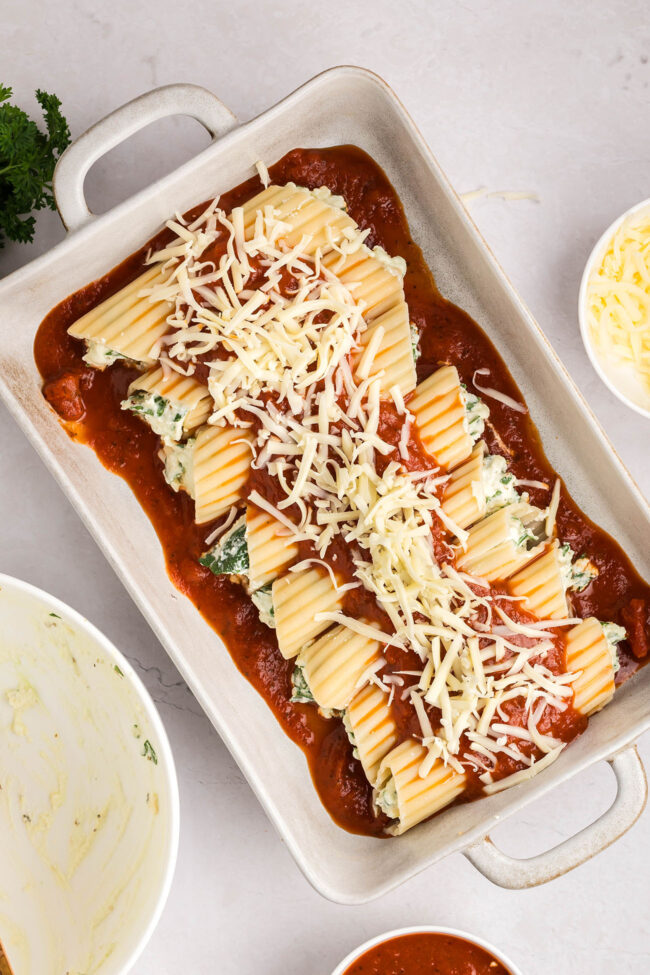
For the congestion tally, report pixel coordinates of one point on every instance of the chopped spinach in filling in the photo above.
(386, 799)
(100, 356)
(178, 461)
(415, 342)
(331, 713)
(525, 536)
(498, 485)
(164, 417)
(229, 555)
(576, 574)
(301, 694)
(350, 733)
(476, 413)
(614, 634)
(263, 600)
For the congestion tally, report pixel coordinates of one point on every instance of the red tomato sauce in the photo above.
(88, 401)
(427, 954)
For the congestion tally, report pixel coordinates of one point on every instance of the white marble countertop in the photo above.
(545, 97)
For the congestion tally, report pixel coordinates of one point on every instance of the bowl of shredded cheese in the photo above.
(614, 308)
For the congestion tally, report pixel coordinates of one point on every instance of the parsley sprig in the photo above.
(27, 160)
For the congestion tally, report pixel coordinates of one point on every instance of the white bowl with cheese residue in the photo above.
(89, 811)
(614, 310)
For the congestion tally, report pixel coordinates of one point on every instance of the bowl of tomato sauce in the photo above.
(426, 951)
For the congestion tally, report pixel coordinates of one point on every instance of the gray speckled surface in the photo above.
(509, 96)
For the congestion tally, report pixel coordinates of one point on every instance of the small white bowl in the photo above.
(426, 929)
(620, 379)
(89, 809)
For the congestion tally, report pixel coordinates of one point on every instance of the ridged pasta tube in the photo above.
(221, 463)
(126, 325)
(334, 665)
(298, 597)
(372, 728)
(504, 542)
(271, 549)
(406, 796)
(463, 499)
(439, 410)
(541, 584)
(591, 657)
(173, 405)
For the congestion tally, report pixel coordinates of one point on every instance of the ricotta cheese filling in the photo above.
(163, 416)
(301, 693)
(178, 465)
(396, 265)
(576, 573)
(229, 556)
(525, 535)
(325, 194)
(99, 356)
(476, 413)
(415, 342)
(347, 724)
(385, 799)
(263, 601)
(614, 634)
(497, 484)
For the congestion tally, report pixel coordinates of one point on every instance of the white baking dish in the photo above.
(344, 105)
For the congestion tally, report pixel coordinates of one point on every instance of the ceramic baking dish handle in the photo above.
(73, 166)
(631, 794)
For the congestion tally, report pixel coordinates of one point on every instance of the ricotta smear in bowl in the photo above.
(88, 795)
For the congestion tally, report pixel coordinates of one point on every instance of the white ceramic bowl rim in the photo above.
(170, 852)
(582, 304)
(426, 929)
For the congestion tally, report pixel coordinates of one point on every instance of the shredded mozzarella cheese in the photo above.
(286, 363)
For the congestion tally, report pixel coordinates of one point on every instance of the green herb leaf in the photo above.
(230, 555)
(27, 160)
(149, 752)
(118, 671)
(301, 692)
